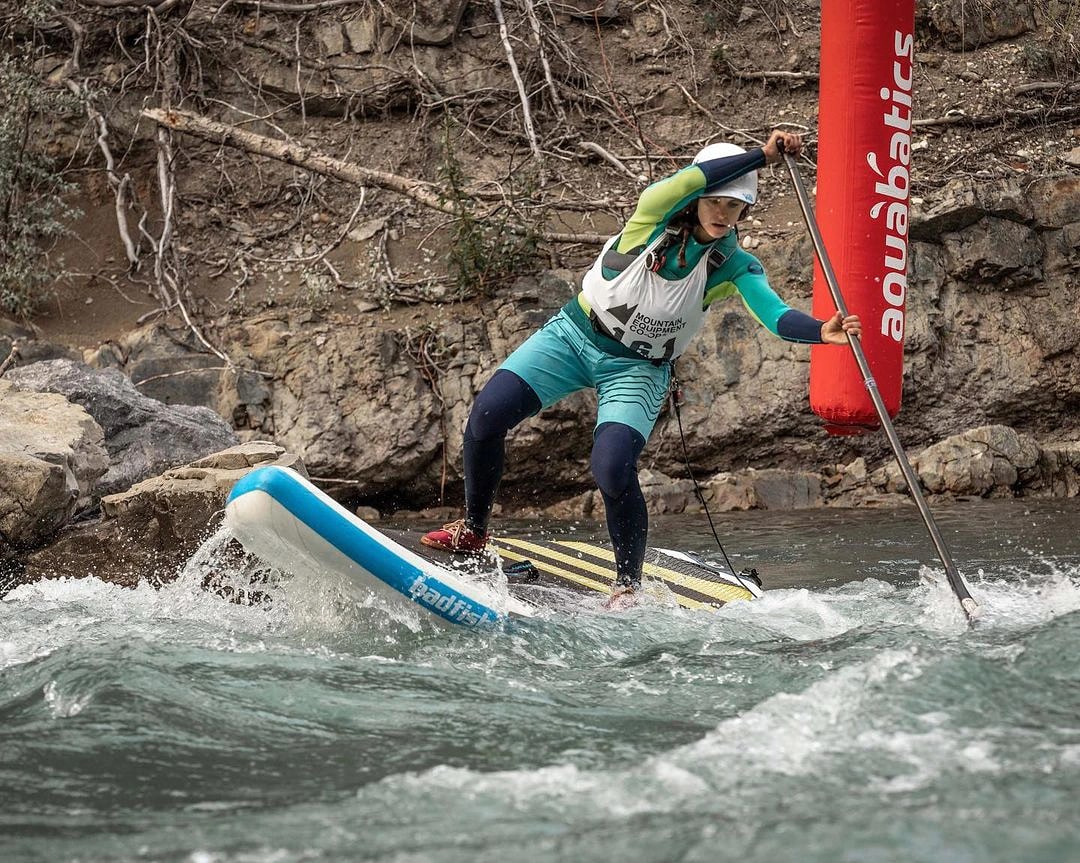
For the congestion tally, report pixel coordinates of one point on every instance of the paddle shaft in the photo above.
(971, 608)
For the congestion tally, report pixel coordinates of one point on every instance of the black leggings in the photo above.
(504, 402)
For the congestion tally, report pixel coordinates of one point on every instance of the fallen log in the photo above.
(308, 158)
(302, 156)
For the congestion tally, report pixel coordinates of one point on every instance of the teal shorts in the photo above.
(560, 359)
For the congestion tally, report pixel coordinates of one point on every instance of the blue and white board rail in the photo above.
(282, 518)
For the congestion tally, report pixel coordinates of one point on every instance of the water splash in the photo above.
(310, 602)
(1020, 595)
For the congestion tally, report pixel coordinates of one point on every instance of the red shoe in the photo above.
(456, 537)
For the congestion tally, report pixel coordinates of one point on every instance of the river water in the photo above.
(849, 715)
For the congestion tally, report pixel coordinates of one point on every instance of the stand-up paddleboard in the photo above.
(694, 582)
(283, 519)
(590, 567)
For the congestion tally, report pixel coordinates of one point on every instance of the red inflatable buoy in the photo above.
(863, 186)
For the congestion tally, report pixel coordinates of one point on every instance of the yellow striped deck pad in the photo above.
(585, 565)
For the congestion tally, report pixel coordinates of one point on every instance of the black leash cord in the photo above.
(675, 401)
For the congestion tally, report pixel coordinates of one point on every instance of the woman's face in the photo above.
(717, 216)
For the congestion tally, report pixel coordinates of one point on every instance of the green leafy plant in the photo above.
(486, 252)
(33, 212)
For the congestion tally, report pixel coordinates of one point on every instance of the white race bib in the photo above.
(653, 316)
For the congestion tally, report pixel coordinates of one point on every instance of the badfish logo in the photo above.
(451, 607)
(895, 188)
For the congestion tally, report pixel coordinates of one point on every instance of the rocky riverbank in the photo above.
(58, 463)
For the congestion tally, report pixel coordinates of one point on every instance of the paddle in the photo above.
(970, 606)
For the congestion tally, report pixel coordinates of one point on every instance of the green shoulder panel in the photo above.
(658, 203)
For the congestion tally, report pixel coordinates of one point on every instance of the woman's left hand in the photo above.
(792, 144)
(835, 330)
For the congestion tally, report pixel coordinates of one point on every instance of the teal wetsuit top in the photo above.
(741, 272)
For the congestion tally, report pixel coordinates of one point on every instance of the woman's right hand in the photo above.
(792, 144)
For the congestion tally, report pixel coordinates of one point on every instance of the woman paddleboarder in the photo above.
(641, 303)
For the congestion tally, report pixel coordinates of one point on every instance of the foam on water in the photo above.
(845, 721)
(69, 609)
(817, 737)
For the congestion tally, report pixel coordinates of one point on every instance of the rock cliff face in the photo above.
(994, 299)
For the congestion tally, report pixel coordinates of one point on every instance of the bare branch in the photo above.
(584, 239)
(120, 186)
(530, 10)
(1065, 112)
(313, 160)
(296, 154)
(593, 147)
(278, 7)
(526, 112)
(180, 373)
(774, 75)
(120, 4)
(1042, 86)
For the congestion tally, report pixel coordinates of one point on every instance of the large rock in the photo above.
(330, 38)
(149, 531)
(764, 489)
(746, 489)
(51, 455)
(989, 461)
(143, 436)
(164, 361)
(360, 30)
(435, 23)
(987, 342)
(964, 201)
(168, 364)
(20, 345)
(662, 494)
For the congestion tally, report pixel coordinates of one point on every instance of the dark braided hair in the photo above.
(687, 220)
